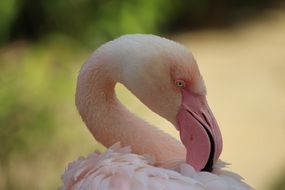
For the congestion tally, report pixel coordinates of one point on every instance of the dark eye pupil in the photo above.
(180, 84)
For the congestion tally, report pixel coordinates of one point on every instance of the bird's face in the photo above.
(173, 87)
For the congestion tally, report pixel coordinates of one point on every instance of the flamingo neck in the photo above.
(110, 122)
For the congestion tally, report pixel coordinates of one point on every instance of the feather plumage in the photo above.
(119, 169)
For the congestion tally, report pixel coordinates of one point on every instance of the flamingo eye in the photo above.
(180, 83)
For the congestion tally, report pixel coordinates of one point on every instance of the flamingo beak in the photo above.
(199, 132)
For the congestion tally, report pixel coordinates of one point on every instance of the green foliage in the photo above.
(8, 12)
(36, 97)
(92, 21)
(25, 116)
(95, 21)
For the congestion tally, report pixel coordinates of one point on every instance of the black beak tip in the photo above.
(208, 167)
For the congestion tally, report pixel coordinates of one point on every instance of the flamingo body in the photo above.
(119, 169)
(165, 77)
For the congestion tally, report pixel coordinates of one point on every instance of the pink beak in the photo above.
(199, 132)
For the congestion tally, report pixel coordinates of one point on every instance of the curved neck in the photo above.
(110, 122)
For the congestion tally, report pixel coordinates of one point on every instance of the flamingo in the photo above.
(164, 75)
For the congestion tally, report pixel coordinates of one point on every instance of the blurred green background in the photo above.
(240, 47)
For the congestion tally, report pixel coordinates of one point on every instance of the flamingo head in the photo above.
(166, 78)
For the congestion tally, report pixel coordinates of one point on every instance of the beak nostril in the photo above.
(206, 119)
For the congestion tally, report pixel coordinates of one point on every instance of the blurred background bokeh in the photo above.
(239, 45)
